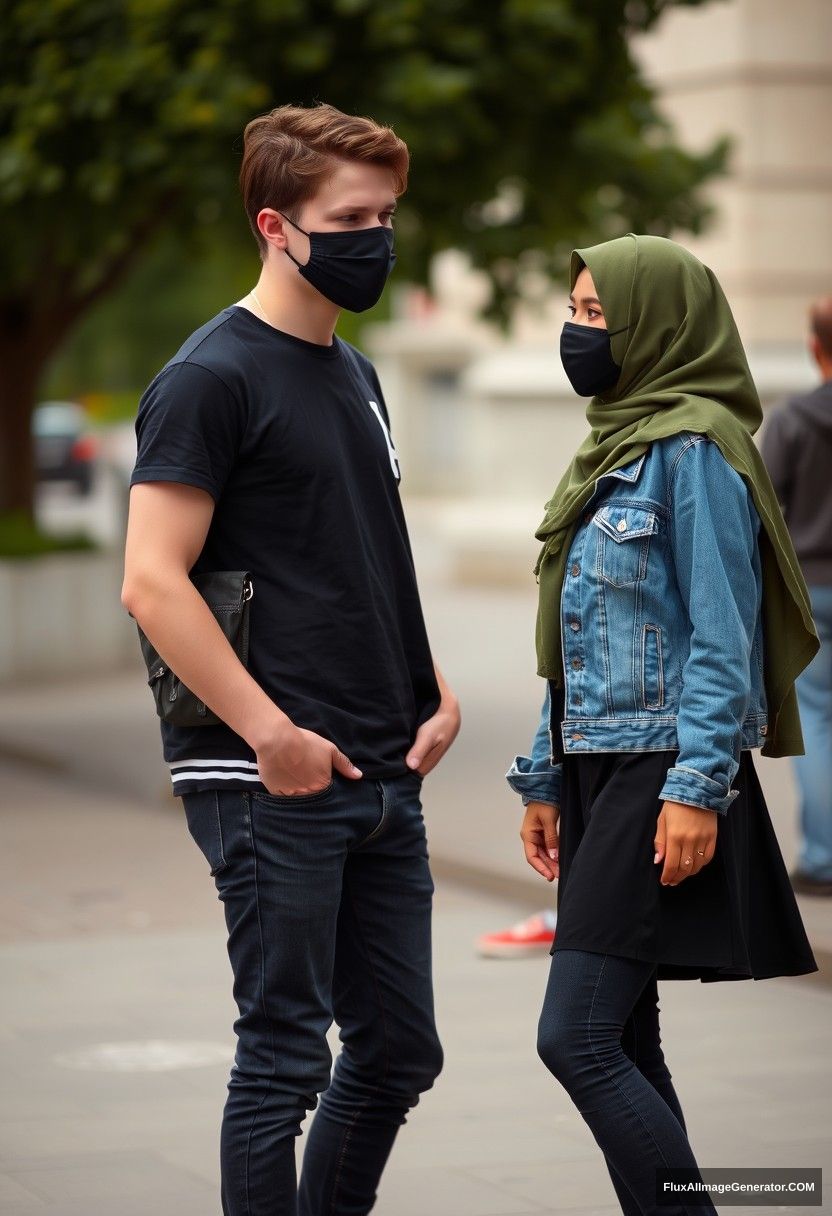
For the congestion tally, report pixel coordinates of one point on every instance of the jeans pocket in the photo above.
(294, 799)
(202, 811)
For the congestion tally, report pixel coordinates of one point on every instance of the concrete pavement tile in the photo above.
(13, 1193)
(471, 1094)
(95, 1090)
(22, 1102)
(747, 1148)
(786, 1079)
(554, 1185)
(126, 1205)
(98, 1177)
(141, 1127)
(468, 1145)
(415, 1192)
(797, 1146)
(197, 1150)
(614, 1210)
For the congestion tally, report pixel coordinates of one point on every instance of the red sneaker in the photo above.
(534, 935)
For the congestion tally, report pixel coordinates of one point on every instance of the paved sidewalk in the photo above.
(112, 934)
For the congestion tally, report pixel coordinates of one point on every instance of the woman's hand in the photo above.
(539, 834)
(684, 831)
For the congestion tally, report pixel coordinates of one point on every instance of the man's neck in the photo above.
(295, 308)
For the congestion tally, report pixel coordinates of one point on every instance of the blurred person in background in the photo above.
(264, 446)
(672, 623)
(797, 448)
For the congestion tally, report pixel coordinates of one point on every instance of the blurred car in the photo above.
(65, 450)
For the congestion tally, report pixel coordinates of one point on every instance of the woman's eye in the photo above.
(572, 309)
(592, 313)
(388, 217)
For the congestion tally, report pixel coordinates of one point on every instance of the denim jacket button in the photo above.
(621, 525)
(576, 570)
(575, 738)
(575, 626)
(577, 664)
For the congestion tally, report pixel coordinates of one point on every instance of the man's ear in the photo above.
(272, 227)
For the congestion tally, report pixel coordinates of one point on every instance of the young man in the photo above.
(264, 445)
(797, 448)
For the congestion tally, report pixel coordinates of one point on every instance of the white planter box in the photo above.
(61, 614)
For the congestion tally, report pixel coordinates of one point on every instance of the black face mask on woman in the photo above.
(587, 358)
(349, 268)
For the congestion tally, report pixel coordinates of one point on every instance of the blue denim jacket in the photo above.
(661, 625)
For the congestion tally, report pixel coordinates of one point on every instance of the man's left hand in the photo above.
(435, 736)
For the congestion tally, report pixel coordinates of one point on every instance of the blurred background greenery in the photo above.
(530, 126)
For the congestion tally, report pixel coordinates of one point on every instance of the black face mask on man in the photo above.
(586, 356)
(349, 268)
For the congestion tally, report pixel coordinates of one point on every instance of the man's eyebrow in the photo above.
(391, 206)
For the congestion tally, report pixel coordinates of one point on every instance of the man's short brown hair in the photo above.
(820, 320)
(288, 152)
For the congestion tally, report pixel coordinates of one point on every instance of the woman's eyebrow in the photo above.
(586, 300)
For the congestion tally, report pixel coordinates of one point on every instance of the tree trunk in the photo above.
(21, 365)
(30, 332)
(26, 343)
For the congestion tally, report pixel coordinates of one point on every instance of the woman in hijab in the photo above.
(672, 624)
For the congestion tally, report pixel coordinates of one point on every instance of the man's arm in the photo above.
(775, 450)
(166, 530)
(435, 736)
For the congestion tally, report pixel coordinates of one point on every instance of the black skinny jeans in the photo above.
(328, 905)
(599, 1035)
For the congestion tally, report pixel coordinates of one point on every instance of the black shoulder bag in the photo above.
(228, 594)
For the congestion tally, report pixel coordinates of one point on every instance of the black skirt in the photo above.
(736, 919)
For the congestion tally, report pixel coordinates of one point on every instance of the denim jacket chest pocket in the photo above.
(623, 542)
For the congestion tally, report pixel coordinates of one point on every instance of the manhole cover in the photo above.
(146, 1055)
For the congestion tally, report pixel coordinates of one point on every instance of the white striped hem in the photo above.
(216, 770)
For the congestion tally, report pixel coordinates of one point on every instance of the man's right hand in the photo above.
(539, 834)
(295, 761)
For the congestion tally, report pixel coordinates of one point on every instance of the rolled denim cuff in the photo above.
(690, 786)
(534, 786)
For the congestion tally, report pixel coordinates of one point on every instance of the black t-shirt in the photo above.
(292, 441)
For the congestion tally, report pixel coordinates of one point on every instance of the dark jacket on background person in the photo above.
(796, 445)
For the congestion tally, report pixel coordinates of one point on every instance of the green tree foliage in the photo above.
(529, 125)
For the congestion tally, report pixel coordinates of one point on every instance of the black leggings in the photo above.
(599, 1035)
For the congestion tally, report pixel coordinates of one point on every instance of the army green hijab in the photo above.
(683, 368)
